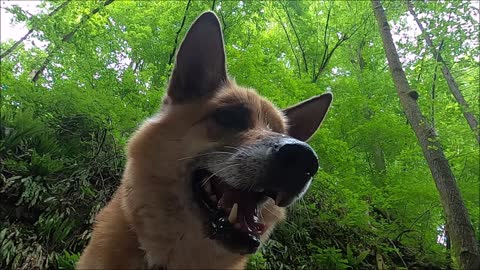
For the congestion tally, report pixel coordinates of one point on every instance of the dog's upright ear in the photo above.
(305, 117)
(200, 62)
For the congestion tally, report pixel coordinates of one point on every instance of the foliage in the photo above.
(62, 136)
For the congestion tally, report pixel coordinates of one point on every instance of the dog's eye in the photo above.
(234, 117)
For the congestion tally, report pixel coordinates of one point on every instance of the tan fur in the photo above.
(151, 219)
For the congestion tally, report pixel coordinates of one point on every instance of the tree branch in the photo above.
(172, 54)
(433, 94)
(325, 46)
(296, 35)
(291, 45)
(67, 37)
(224, 22)
(20, 41)
(327, 55)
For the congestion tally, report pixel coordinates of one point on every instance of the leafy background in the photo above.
(90, 73)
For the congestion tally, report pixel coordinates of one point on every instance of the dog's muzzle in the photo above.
(233, 189)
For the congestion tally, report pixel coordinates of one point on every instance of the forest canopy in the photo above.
(85, 74)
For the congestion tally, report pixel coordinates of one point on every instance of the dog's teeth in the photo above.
(213, 197)
(232, 218)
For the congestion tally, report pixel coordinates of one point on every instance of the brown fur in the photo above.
(150, 214)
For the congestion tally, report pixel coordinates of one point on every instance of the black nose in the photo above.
(297, 158)
(292, 165)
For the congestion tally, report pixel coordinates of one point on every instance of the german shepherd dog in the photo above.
(208, 177)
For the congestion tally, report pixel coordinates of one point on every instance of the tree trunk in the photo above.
(459, 226)
(452, 84)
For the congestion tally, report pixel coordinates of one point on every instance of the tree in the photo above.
(452, 84)
(459, 225)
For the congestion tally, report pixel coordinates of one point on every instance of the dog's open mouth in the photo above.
(234, 215)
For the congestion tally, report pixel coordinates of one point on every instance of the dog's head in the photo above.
(242, 159)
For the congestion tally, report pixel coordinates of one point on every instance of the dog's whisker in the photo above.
(306, 210)
(215, 173)
(205, 154)
(237, 149)
(275, 215)
(228, 162)
(251, 186)
(261, 215)
(270, 211)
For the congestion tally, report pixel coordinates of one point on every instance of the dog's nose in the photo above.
(292, 166)
(296, 158)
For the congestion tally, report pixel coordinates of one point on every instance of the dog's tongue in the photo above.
(247, 213)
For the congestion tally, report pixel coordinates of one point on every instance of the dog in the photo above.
(208, 177)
